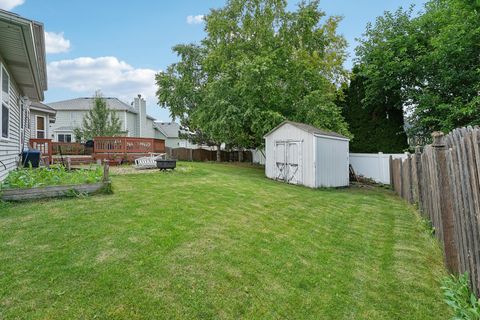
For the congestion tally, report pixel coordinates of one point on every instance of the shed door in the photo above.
(288, 161)
(280, 161)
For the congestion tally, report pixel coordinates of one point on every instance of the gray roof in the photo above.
(169, 129)
(42, 107)
(310, 129)
(87, 103)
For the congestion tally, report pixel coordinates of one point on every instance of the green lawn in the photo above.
(218, 242)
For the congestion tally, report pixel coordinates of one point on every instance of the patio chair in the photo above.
(149, 162)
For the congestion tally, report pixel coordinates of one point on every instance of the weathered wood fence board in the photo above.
(444, 180)
(186, 154)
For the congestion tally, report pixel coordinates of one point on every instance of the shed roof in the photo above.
(308, 128)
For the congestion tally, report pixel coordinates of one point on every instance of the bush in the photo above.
(458, 296)
(55, 175)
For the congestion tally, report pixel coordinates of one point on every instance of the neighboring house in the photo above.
(133, 117)
(41, 116)
(23, 79)
(171, 131)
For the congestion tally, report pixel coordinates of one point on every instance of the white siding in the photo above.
(10, 148)
(290, 132)
(258, 156)
(148, 131)
(66, 119)
(332, 162)
(132, 124)
(375, 166)
(74, 119)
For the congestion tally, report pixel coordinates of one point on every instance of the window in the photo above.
(40, 127)
(5, 116)
(64, 138)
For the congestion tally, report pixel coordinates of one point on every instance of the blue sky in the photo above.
(118, 46)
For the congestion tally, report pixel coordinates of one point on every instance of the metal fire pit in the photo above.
(166, 164)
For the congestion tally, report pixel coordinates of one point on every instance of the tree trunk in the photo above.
(219, 153)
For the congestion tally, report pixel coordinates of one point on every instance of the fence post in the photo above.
(390, 165)
(105, 171)
(418, 166)
(446, 206)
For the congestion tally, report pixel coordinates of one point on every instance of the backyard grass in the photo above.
(217, 241)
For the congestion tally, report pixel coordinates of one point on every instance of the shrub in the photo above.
(55, 175)
(458, 296)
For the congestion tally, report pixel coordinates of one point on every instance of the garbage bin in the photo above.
(31, 156)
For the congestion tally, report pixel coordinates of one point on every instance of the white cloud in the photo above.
(195, 19)
(10, 4)
(56, 42)
(113, 77)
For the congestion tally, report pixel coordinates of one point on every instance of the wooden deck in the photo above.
(115, 149)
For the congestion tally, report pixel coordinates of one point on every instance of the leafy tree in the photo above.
(99, 121)
(426, 63)
(258, 65)
(377, 126)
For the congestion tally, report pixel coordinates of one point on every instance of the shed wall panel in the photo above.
(332, 162)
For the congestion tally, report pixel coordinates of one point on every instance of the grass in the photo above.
(218, 242)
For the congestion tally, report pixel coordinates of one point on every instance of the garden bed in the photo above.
(56, 181)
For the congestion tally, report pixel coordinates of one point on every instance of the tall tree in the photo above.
(258, 65)
(429, 61)
(377, 126)
(99, 121)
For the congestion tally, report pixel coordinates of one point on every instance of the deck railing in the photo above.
(125, 148)
(68, 148)
(128, 145)
(44, 146)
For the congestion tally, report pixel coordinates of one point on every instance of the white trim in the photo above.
(7, 98)
(330, 137)
(44, 127)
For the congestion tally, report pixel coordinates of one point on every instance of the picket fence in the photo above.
(444, 180)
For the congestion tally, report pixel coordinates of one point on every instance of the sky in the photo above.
(118, 46)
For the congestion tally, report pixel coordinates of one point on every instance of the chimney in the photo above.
(140, 106)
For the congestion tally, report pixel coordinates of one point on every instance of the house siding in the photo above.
(74, 118)
(132, 124)
(10, 148)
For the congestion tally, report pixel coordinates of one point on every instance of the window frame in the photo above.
(44, 126)
(64, 140)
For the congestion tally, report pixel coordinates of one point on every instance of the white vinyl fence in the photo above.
(258, 157)
(375, 166)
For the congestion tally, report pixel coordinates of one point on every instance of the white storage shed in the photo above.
(298, 153)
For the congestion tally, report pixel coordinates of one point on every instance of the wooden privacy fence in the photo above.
(186, 154)
(444, 180)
